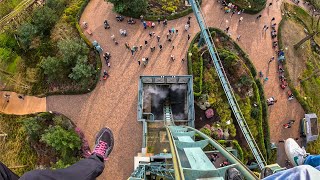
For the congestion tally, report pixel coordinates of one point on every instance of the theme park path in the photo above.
(113, 102)
(12, 104)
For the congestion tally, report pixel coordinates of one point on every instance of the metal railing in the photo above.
(226, 85)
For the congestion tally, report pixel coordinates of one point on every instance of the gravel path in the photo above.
(113, 102)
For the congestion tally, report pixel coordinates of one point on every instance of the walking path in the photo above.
(113, 102)
(10, 103)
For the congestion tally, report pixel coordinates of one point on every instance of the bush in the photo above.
(26, 33)
(206, 131)
(33, 128)
(256, 5)
(71, 49)
(63, 141)
(53, 68)
(44, 19)
(239, 149)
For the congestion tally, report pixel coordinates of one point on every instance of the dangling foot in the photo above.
(295, 153)
(104, 143)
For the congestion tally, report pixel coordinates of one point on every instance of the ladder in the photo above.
(167, 113)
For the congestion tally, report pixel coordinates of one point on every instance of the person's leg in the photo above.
(313, 160)
(303, 172)
(86, 169)
(6, 173)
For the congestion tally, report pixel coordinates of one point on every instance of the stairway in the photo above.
(194, 162)
(167, 114)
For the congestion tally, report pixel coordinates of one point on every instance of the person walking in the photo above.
(271, 59)
(158, 20)
(238, 37)
(141, 18)
(240, 20)
(132, 51)
(258, 17)
(113, 37)
(127, 45)
(186, 27)
(160, 46)
(158, 38)
(270, 4)
(273, 19)
(172, 47)
(172, 57)
(177, 31)
(182, 60)
(227, 29)
(188, 37)
(140, 47)
(265, 26)
(139, 62)
(145, 43)
(144, 25)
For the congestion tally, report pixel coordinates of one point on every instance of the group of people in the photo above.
(229, 7)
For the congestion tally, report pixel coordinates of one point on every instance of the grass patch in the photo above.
(29, 142)
(7, 6)
(15, 150)
(305, 83)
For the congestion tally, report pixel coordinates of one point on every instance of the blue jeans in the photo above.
(303, 172)
(313, 160)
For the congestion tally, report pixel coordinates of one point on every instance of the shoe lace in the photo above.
(101, 149)
(301, 151)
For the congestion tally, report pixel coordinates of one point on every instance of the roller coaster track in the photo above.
(226, 85)
(17, 10)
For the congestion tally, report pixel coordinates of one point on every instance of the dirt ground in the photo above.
(12, 104)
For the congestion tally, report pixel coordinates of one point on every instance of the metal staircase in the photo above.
(226, 85)
(192, 162)
(167, 113)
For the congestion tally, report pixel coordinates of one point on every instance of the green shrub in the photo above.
(206, 131)
(52, 68)
(239, 149)
(7, 40)
(33, 128)
(44, 19)
(63, 141)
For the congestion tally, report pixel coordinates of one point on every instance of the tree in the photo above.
(82, 71)
(53, 68)
(70, 50)
(130, 6)
(26, 34)
(63, 141)
(58, 5)
(33, 128)
(44, 19)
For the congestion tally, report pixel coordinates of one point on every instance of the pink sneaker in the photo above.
(104, 143)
